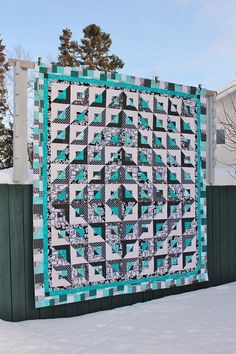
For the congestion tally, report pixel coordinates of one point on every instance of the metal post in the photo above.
(20, 153)
(211, 134)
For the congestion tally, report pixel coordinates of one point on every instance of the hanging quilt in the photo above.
(119, 185)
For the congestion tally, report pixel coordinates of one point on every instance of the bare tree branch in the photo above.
(226, 116)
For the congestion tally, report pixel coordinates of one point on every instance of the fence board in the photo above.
(71, 310)
(17, 252)
(209, 236)
(5, 265)
(31, 311)
(231, 198)
(59, 311)
(216, 231)
(117, 301)
(106, 303)
(137, 297)
(234, 231)
(224, 235)
(95, 305)
(45, 312)
(83, 307)
(233, 216)
(16, 268)
(148, 295)
(128, 300)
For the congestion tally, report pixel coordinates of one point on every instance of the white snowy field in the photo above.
(202, 321)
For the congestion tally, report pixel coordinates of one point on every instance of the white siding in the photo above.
(225, 159)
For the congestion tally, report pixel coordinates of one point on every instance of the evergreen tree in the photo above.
(3, 92)
(6, 146)
(94, 50)
(68, 49)
(6, 133)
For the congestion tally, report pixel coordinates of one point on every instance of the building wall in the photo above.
(225, 171)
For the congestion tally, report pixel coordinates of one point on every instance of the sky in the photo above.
(181, 41)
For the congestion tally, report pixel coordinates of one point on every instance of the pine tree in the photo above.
(6, 133)
(6, 146)
(94, 50)
(68, 49)
(3, 92)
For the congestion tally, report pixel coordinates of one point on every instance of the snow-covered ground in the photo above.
(6, 176)
(203, 321)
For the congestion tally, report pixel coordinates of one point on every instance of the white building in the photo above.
(225, 170)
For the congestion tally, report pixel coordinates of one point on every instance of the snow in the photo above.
(202, 321)
(6, 176)
(225, 176)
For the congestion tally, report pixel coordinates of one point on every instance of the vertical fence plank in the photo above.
(213, 213)
(227, 233)
(31, 311)
(106, 303)
(210, 266)
(83, 307)
(128, 299)
(71, 310)
(5, 266)
(45, 312)
(148, 295)
(17, 253)
(157, 294)
(223, 233)
(231, 198)
(59, 311)
(117, 301)
(94, 305)
(216, 236)
(234, 237)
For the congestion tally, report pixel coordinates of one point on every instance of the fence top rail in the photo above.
(25, 64)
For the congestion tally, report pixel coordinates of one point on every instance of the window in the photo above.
(220, 136)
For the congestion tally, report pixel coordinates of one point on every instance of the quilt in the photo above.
(119, 197)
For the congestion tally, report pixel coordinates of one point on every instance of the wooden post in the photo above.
(20, 153)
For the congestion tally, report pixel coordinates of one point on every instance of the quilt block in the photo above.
(119, 185)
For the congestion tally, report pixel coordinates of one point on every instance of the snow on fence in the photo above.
(16, 256)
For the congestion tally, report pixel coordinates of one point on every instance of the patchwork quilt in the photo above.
(119, 185)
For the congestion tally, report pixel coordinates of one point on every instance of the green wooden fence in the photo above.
(16, 263)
